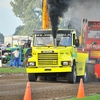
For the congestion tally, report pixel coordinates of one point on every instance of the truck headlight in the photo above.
(31, 63)
(66, 63)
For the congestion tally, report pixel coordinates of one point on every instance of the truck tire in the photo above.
(85, 77)
(32, 77)
(71, 77)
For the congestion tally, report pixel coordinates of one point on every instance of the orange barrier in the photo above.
(81, 90)
(27, 95)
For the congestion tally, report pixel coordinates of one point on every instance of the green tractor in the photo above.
(26, 50)
(5, 56)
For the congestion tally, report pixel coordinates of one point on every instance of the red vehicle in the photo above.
(92, 44)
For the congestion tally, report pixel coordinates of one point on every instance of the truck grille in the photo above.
(48, 59)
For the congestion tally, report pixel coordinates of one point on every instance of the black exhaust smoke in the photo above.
(56, 9)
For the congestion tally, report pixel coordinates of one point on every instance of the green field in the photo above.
(94, 97)
(13, 70)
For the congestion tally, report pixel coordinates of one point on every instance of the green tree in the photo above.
(30, 12)
(1, 37)
(18, 29)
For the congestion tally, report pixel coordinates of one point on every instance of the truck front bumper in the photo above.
(49, 70)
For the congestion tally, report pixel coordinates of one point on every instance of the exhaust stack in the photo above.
(56, 9)
(55, 42)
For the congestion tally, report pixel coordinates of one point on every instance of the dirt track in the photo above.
(12, 87)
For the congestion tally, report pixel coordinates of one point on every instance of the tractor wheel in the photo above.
(71, 77)
(24, 62)
(28, 55)
(32, 77)
(4, 61)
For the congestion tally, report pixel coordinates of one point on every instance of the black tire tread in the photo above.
(32, 77)
(70, 75)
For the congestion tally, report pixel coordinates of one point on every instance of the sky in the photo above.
(8, 21)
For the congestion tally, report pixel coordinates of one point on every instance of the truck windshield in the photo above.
(47, 40)
(65, 41)
(94, 34)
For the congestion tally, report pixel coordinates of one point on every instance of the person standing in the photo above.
(16, 55)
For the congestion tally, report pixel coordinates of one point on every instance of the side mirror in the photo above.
(77, 42)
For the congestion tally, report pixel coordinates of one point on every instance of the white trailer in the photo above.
(15, 40)
(8, 40)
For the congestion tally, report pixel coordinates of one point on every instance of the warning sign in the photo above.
(94, 54)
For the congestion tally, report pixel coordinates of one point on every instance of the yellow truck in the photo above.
(56, 58)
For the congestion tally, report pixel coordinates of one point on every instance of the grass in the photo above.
(94, 97)
(13, 70)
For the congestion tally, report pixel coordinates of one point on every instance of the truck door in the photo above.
(74, 47)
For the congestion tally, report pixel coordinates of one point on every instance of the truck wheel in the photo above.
(32, 77)
(85, 77)
(71, 77)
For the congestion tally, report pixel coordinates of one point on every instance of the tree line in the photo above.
(30, 13)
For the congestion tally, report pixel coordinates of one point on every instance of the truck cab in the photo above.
(53, 60)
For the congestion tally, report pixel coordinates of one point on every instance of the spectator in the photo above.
(16, 55)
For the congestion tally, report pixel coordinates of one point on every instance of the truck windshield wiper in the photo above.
(41, 44)
(62, 45)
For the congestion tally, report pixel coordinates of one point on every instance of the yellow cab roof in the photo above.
(48, 31)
